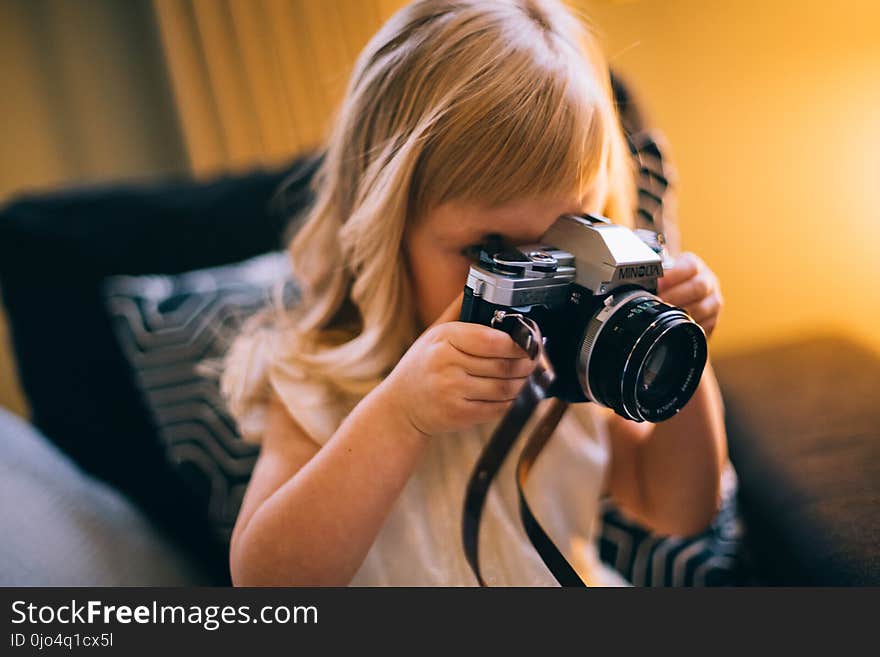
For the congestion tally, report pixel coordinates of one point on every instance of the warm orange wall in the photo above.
(773, 113)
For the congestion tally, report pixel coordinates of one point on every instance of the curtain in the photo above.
(257, 81)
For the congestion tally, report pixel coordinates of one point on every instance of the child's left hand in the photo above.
(691, 285)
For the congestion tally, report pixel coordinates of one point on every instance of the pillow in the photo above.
(169, 325)
(170, 328)
(717, 557)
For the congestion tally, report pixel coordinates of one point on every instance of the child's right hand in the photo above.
(457, 375)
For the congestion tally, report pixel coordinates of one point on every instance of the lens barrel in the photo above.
(641, 357)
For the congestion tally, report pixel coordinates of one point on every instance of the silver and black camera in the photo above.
(610, 339)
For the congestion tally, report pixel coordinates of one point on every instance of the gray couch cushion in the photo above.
(64, 528)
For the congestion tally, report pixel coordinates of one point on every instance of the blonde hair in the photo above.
(470, 100)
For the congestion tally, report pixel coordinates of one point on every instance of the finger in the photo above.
(709, 326)
(689, 292)
(704, 310)
(483, 341)
(452, 311)
(500, 368)
(686, 266)
(478, 388)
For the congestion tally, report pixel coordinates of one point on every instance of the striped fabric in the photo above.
(714, 558)
(170, 328)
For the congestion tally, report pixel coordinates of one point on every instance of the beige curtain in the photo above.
(256, 81)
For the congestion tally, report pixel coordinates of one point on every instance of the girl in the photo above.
(462, 118)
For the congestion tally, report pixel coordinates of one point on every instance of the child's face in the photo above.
(434, 243)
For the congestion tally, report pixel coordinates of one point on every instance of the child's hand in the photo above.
(691, 285)
(457, 375)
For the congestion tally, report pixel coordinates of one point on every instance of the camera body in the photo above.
(610, 339)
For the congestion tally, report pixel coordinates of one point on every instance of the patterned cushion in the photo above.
(170, 327)
(717, 557)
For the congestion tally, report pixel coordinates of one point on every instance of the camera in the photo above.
(590, 286)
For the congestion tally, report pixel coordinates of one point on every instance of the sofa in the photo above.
(803, 417)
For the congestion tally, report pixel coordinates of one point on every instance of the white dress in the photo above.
(420, 542)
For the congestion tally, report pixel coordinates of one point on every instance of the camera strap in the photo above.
(526, 333)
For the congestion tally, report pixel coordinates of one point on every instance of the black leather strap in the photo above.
(487, 467)
(550, 554)
(525, 333)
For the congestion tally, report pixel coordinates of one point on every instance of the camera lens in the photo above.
(662, 374)
(653, 367)
(641, 357)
